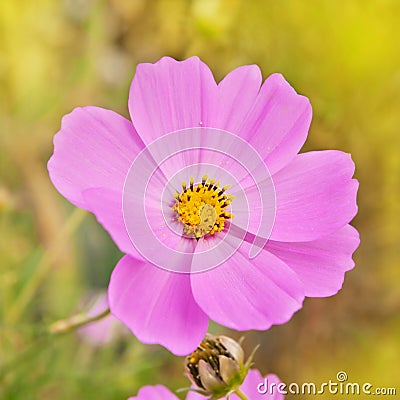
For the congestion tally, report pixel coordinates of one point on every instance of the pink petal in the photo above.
(94, 148)
(212, 251)
(238, 92)
(196, 396)
(322, 263)
(260, 210)
(106, 205)
(275, 120)
(168, 243)
(157, 392)
(251, 383)
(147, 213)
(157, 306)
(103, 331)
(171, 95)
(249, 294)
(315, 196)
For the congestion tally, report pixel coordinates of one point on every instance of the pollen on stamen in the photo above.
(202, 207)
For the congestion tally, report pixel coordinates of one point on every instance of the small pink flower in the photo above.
(249, 388)
(104, 331)
(278, 234)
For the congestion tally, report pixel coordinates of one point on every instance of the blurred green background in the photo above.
(56, 55)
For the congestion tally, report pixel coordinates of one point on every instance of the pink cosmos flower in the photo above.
(246, 255)
(249, 388)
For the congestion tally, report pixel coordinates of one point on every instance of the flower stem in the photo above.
(241, 395)
(75, 322)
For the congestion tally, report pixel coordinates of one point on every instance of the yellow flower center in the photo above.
(202, 208)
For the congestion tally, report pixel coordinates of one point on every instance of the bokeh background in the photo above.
(56, 55)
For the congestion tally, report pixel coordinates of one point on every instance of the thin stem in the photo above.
(75, 322)
(44, 266)
(241, 395)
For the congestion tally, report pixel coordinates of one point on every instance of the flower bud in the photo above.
(217, 366)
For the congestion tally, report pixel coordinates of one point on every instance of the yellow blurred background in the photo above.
(59, 54)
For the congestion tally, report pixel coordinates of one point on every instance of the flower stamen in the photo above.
(202, 207)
